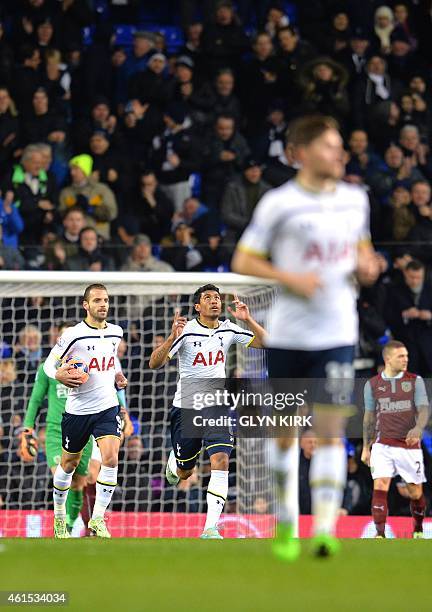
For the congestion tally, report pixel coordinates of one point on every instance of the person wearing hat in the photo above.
(403, 62)
(136, 61)
(240, 198)
(152, 85)
(96, 199)
(100, 117)
(355, 55)
(141, 258)
(174, 154)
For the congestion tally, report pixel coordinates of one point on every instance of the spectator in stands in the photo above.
(196, 215)
(240, 198)
(384, 25)
(67, 244)
(91, 255)
(269, 145)
(276, 19)
(57, 82)
(100, 119)
(142, 123)
(374, 87)
(362, 160)
(96, 199)
(151, 85)
(218, 98)
(293, 54)
(36, 196)
(108, 166)
(421, 232)
(11, 222)
(323, 85)
(354, 57)
(384, 125)
(416, 151)
(224, 153)
(44, 36)
(409, 315)
(9, 129)
(259, 80)
(151, 212)
(136, 61)
(6, 58)
(399, 218)
(403, 62)
(223, 40)
(141, 258)
(28, 353)
(174, 155)
(398, 171)
(183, 255)
(26, 78)
(45, 125)
(10, 257)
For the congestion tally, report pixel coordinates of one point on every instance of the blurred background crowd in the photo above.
(140, 135)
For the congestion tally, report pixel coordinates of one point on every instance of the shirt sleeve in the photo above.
(420, 395)
(259, 234)
(59, 352)
(369, 402)
(38, 394)
(364, 233)
(241, 336)
(176, 346)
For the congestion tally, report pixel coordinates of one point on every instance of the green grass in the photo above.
(240, 575)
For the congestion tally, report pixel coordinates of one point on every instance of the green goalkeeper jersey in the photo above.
(45, 386)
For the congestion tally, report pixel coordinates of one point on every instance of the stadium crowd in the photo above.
(150, 155)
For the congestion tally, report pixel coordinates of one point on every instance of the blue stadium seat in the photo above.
(124, 35)
(195, 184)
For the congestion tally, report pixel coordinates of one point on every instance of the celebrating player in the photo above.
(202, 345)
(315, 230)
(396, 412)
(91, 406)
(57, 394)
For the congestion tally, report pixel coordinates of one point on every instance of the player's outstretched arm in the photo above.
(241, 313)
(303, 285)
(159, 356)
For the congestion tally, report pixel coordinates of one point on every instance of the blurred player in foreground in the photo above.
(396, 413)
(92, 407)
(312, 235)
(56, 392)
(202, 345)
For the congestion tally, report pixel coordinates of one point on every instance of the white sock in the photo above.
(61, 485)
(172, 463)
(284, 465)
(217, 492)
(105, 485)
(328, 474)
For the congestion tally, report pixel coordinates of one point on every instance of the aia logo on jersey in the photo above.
(331, 252)
(211, 360)
(102, 366)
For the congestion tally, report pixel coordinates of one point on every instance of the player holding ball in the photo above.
(92, 406)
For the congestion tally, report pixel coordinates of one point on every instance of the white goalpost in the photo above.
(32, 306)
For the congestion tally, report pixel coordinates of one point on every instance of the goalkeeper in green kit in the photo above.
(57, 394)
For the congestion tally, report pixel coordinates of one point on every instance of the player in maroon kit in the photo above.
(396, 412)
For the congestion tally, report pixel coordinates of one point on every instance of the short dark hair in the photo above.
(88, 228)
(415, 265)
(391, 345)
(89, 289)
(288, 28)
(73, 209)
(304, 130)
(201, 290)
(65, 325)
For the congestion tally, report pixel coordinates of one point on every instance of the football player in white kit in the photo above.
(312, 235)
(92, 407)
(202, 345)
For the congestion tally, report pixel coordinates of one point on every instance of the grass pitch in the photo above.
(131, 575)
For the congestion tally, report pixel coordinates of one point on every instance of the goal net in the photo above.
(32, 306)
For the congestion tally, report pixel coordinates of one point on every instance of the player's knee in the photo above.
(416, 494)
(110, 461)
(69, 464)
(220, 461)
(184, 474)
(381, 484)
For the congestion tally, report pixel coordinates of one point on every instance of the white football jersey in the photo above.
(98, 349)
(302, 231)
(202, 351)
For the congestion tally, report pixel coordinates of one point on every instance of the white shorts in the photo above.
(96, 454)
(388, 461)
